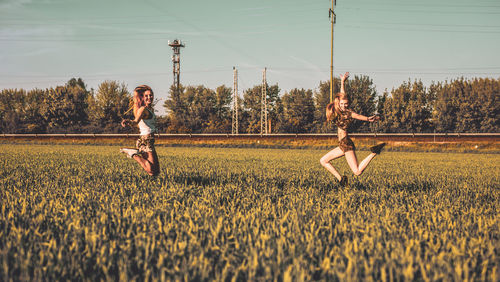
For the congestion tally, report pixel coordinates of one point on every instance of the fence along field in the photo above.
(416, 142)
(86, 212)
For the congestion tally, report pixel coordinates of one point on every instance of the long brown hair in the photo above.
(139, 94)
(333, 109)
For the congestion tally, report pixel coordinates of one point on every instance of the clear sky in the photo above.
(44, 43)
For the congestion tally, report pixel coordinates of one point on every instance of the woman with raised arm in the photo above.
(339, 113)
(145, 118)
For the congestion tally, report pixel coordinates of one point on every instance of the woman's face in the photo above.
(148, 98)
(343, 105)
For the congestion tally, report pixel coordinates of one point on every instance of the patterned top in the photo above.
(148, 126)
(343, 120)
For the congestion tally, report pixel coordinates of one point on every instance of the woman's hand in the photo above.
(373, 118)
(344, 77)
(125, 122)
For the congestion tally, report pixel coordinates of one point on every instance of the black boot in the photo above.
(377, 148)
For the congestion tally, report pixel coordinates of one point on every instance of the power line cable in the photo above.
(450, 71)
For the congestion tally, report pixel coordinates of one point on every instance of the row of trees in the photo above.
(461, 105)
(64, 109)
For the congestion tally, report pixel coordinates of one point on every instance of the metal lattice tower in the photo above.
(234, 129)
(176, 59)
(263, 105)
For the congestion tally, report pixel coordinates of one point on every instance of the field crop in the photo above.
(71, 212)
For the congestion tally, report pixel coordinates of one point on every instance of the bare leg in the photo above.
(149, 162)
(350, 156)
(325, 161)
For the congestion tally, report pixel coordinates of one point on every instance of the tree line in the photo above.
(459, 105)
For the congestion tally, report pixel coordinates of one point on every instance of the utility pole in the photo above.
(234, 127)
(263, 107)
(332, 16)
(176, 59)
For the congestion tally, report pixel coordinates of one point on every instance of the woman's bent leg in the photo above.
(325, 161)
(149, 162)
(152, 157)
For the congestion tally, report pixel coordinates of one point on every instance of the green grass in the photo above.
(87, 212)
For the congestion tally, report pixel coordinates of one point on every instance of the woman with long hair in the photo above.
(339, 113)
(145, 119)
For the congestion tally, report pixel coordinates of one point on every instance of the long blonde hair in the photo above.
(333, 109)
(139, 94)
(138, 98)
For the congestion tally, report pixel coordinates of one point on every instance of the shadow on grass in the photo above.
(413, 187)
(256, 181)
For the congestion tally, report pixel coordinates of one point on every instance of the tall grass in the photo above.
(88, 213)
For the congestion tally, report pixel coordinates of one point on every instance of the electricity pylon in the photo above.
(234, 127)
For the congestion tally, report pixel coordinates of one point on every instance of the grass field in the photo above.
(87, 213)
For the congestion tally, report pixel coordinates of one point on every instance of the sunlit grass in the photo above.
(87, 212)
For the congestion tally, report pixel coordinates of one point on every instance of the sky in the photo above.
(44, 43)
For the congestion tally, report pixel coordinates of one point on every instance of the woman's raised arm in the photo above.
(343, 78)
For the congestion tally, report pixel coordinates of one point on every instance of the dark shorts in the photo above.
(346, 144)
(145, 143)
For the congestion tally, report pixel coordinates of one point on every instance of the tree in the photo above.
(467, 106)
(107, 107)
(33, 119)
(64, 108)
(11, 101)
(381, 101)
(468, 118)
(20, 111)
(220, 117)
(362, 94)
(321, 100)
(198, 109)
(488, 91)
(298, 111)
(77, 83)
(252, 102)
(407, 109)
(177, 110)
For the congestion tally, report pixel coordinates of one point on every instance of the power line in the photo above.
(424, 11)
(430, 4)
(433, 25)
(144, 35)
(80, 40)
(57, 22)
(424, 30)
(128, 38)
(269, 69)
(288, 24)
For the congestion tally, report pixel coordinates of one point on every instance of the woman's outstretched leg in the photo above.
(350, 156)
(325, 161)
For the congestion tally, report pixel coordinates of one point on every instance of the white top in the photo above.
(148, 126)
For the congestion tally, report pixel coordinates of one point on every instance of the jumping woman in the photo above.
(339, 113)
(145, 118)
